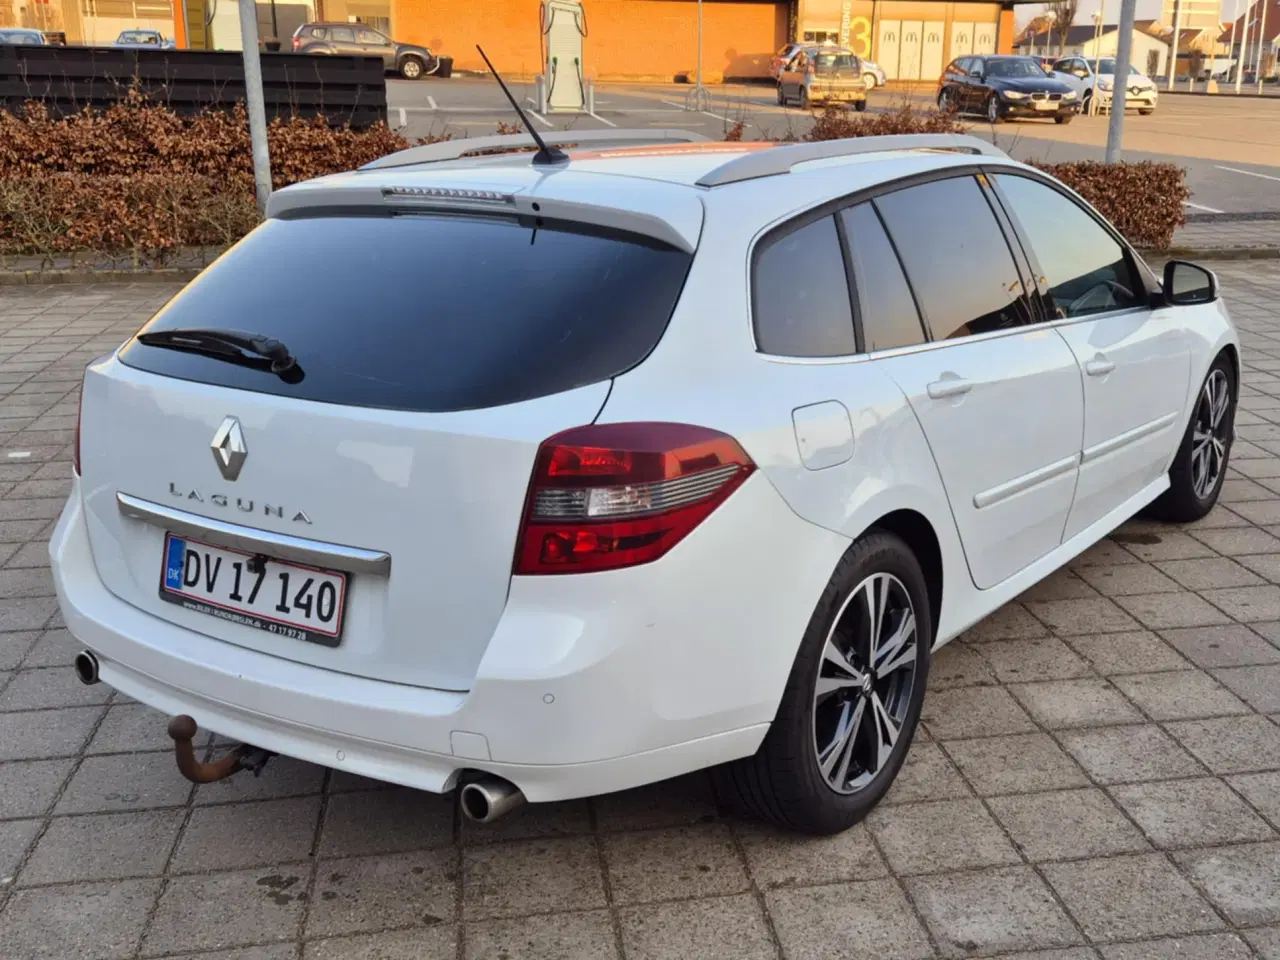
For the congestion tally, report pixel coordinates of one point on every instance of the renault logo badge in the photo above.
(229, 449)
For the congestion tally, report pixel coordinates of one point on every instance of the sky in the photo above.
(1147, 10)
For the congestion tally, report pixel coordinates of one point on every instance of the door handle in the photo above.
(1099, 366)
(949, 387)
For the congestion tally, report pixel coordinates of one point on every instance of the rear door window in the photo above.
(963, 273)
(801, 302)
(343, 35)
(886, 309)
(428, 312)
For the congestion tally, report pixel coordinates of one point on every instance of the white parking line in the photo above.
(535, 113)
(1196, 206)
(708, 113)
(432, 101)
(1247, 173)
(597, 116)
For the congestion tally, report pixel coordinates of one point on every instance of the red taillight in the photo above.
(621, 494)
(296, 44)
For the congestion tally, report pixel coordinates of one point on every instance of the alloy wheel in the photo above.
(411, 69)
(993, 110)
(865, 680)
(1210, 435)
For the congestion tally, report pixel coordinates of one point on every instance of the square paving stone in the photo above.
(55, 648)
(377, 893)
(1067, 825)
(111, 846)
(14, 646)
(991, 911)
(944, 835)
(959, 665)
(1016, 764)
(1126, 578)
(1262, 790)
(927, 774)
(133, 727)
(557, 936)
(783, 858)
(1265, 565)
(281, 777)
(1130, 897)
(1209, 946)
(1248, 604)
(1162, 611)
(1231, 744)
(100, 920)
(1259, 686)
(385, 821)
(973, 712)
(15, 837)
(668, 803)
(1243, 881)
(1136, 652)
(127, 781)
(1166, 545)
(1266, 942)
(1101, 554)
(1062, 585)
(531, 821)
(252, 906)
(1060, 704)
(1188, 813)
(27, 787)
(28, 613)
(1233, 645)
(676, 862)
(531, 876)
(1261, 512)
(275, 951)
(1209, 573)
(853, 921)
(722, 928)
(1071, 617)
(1011, 622)
(265, 832)
(38, 734)
(1038, 658)
(1180, 695)
(50, 687)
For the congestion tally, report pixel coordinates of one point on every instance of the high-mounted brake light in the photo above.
(447, 193)
(622, 494)
(75, 451)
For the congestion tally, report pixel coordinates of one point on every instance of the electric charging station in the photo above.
(562, 88)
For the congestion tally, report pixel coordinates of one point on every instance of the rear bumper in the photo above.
(590, 683)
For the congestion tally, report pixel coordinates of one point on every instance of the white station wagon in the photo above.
(545, 478)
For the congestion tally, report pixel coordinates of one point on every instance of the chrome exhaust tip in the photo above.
(487, 799)
(86, 667)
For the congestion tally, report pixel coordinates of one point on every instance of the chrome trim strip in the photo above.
(1025, 482)
(314, 553)
(1099, 450)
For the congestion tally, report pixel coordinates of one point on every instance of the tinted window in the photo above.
(1084, 267)
(961, 270)
(1014, 68)
(369, 36)
(886, 309)
(835, 62)
(342, 35)
(318, 32)
(802, 294)
(429, 313)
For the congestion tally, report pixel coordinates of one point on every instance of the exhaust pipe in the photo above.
(86, 667)
(487, 799)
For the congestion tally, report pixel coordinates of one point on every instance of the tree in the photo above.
(1063, 15)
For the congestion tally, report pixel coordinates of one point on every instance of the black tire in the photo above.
(783, 782)
(1147, 113)
(782, 101)
(993, 110)
(1188, 498)
(803, 99)
(860, 105)
(944, 101)
(1064, 119)
(412, 68)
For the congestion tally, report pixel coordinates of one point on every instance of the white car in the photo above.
(1140, 91)
(556, 477)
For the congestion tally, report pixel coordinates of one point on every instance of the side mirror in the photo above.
(1080, 72)
(976, 74)
(1186, 284)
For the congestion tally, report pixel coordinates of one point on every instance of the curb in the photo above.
(38, 278)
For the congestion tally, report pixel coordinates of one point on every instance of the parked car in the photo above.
(143, 39)
(1005, 86)
(1140, 91)
(546, 546)
(783, 57)
(872, 75)
(407, 59)
(21, 37)
(823, 75)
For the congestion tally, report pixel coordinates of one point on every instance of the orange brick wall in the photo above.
(625, 38)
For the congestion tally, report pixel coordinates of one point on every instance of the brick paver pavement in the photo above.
(1098, 773)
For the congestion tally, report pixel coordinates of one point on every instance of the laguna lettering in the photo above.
(241, 504)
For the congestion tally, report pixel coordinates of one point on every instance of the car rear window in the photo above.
(428, 313)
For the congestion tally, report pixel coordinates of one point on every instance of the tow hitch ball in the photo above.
(183, 729)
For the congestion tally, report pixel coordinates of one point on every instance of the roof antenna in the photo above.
(545, 155)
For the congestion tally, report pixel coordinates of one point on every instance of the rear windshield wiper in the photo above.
(234, 346)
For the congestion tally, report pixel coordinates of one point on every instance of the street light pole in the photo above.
(1262, 45)
(1097, 55)
(1124, 50)
(253, 100)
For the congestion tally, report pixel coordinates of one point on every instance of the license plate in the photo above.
(287, 599)
(1046, 105)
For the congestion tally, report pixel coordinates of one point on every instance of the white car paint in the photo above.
(581, 684)
(1141, 90)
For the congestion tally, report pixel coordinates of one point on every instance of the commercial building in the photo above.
(1149, 51)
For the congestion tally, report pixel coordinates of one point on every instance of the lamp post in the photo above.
(1097, 40)
(698, 98)
(1262, 46)
(253, 100)
(1124, 51)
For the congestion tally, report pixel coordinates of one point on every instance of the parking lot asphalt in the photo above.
(1229, 145)
(1097, 774)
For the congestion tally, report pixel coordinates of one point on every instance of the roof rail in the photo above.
(456, 149)
(768, 163)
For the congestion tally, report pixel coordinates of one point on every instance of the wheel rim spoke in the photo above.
(899, 649)
(877, 599)
(835, 760)
(885, 729)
